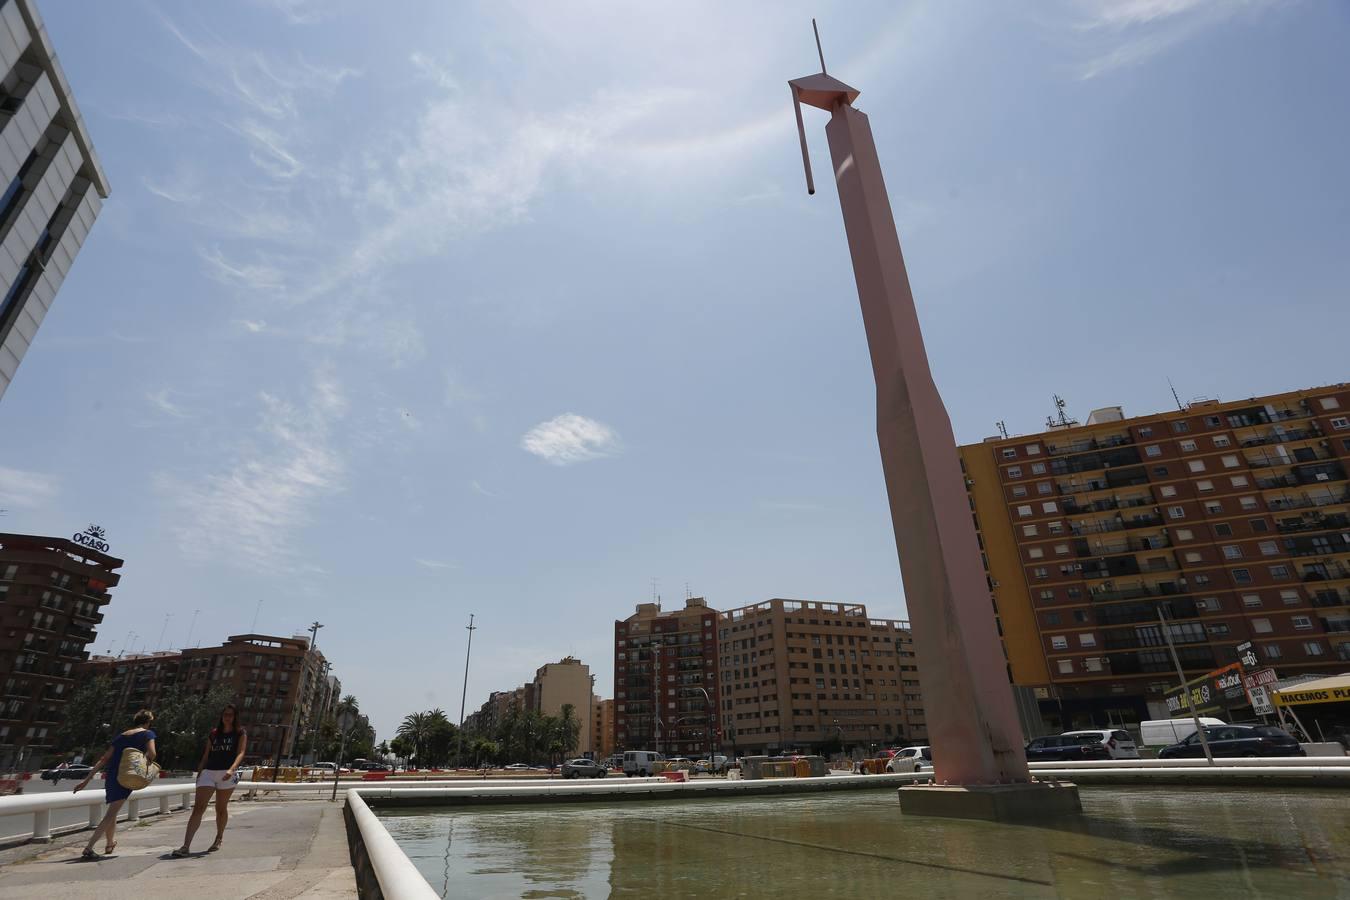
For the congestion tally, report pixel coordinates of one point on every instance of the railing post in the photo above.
(164, 805)
(42, 826)
(133, 809)
(186, 799)
(95, 814)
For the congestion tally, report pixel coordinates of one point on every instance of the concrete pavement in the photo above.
(273, 850)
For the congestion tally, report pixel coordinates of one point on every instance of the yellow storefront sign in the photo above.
(1325, 690)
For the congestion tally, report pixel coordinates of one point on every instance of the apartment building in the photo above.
(280, 685)
(805, 675)
(54, 183)
(666, 694)
(602, 727)
(52, 591)
(1232, 518)
(563, 683)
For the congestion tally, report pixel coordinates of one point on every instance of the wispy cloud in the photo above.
(255, 326)
(301, 12)
(172, 193)
(436, 564)
(569, 439)
(27, 490)
(1117, 34)
(160, 401)
(266, 494)
(479, 489)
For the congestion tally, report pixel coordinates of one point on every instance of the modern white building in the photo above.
(53, 186)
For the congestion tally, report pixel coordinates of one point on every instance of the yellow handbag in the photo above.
(135, 771)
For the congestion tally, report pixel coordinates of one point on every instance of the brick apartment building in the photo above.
(52, 591)
(1232, 517)
(802, 675)
(666, 694)
(281, 685)
(602, 727)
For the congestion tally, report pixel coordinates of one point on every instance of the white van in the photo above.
(640, 763)
(1164, 732)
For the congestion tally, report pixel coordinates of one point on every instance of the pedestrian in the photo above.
(138, 737)
(217, 773)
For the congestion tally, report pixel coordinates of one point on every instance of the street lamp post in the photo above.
(464, 692)
(707, 699)
(346, 721)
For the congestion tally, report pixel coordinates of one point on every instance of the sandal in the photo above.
(107, 851)
(181, 853)
(89, 854)
(214, 847)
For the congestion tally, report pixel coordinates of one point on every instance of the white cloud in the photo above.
(479, 489)
(266, 493)
(256, 326)
(29, 490)
(571, 438)
(436, 564)
(160, 401)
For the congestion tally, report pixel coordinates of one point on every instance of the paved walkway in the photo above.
(274, 849)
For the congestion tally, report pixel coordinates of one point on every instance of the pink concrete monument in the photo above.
(980, 767)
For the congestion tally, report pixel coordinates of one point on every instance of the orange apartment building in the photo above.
(1232, 517)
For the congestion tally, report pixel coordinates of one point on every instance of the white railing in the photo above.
(395, 872)
(40, 806)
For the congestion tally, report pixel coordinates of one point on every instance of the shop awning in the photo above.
(1335, 689)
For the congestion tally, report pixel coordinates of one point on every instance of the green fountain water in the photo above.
(1127, 843)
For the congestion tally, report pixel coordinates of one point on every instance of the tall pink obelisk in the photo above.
(972, 721)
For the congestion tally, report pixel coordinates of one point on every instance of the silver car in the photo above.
(583, 768)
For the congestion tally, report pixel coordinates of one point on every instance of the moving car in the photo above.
(1229, 741)
(516, 767)
(583, 768)
(640, 763)
(1066, 748)
(911, 759)
(1118, 743)
(73, 771)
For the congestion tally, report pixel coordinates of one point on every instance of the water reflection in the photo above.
(1128, 843)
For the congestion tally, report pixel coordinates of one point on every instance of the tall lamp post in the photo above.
(707, 699)
(459, 754)
(346, 721)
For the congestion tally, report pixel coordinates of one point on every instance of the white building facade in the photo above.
(53, 186)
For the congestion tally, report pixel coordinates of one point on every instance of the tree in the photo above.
(183, 721)
(87, 720)
(402, 748)
(569, 729)
(415, 729)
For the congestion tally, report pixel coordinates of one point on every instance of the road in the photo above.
(11, 826)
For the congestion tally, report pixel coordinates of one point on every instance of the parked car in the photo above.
(640, 763)
(583, 768)
(72, 771)
(517, 767)
(1119, 744)
(1161, 732)
(1066, 748)
(1229, 741)
(911, 759)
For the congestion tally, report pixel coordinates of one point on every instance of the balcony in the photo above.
(1097, 527)
(1315, 522)
(1325, 573)
(1143, 521)
(1277, 481)
(1282, 437)
(1328, 598)
(1336, 626)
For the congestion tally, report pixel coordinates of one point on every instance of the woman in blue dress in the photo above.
(139, 737)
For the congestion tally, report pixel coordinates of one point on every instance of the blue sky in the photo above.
(403, 311)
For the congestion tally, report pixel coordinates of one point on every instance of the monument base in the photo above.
(992, 802)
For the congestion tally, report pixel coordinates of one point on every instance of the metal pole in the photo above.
(276, 764)
(1176, 661)
(337, 767)
(459, 754)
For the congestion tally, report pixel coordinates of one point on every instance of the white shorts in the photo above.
(215, 778)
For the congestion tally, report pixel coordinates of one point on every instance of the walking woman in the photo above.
(217, 773)
(138, 737)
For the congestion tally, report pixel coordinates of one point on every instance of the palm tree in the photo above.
(415, 729)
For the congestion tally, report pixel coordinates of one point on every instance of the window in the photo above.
(1261, 626)
(1029, 530)
(1059, 642)
(1047, 595)
(1035, 552)
(1032, 449)
(1019, 490)
(1056, 527)
(1188, 446)
(1269, 548)
(1209, 604)
(1329, 403)
(1232, 551)
(1049, 507)
(1248, 502)
(1218, 629)
(1251, 601)
(1196, 465)
(1242, 576)
(1204, 485)
(1258, 525)
(1010, 453)
(1291, 598)
(1066, 667)
(1052, 618)
(1014, 471)
(1167, 491)
(1193, 557)
(1160, 471)
(1313, 648)
(1176, 512)
(1181, 427)
(1229, 461)
(1212, 422)
(1024, 511)
(1221, 440)
(1038, 468)
(1145, 431)
(1340, 423)
(1279, 571)
(1272, 651)
(1061, 549)
(1043, 487)
(1300, 623)
(1238, 480)
(1041, 572)
(1087, 640)
(1213, 507)
(1153, 450)
(1093, 664)
(1184, 534)
(1080, 616)
(1201, 580)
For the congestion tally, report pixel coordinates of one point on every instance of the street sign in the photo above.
(1260, 698)
(1246, 655)
(1220, 689)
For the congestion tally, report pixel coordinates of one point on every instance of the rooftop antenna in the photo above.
(1174, 395)
(314, 633)
(688, 595)
(252, 629)
(1002, 429)
(192, 627)
(1060, 403)
(159, 645)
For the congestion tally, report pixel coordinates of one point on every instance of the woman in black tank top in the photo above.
(218, 774)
